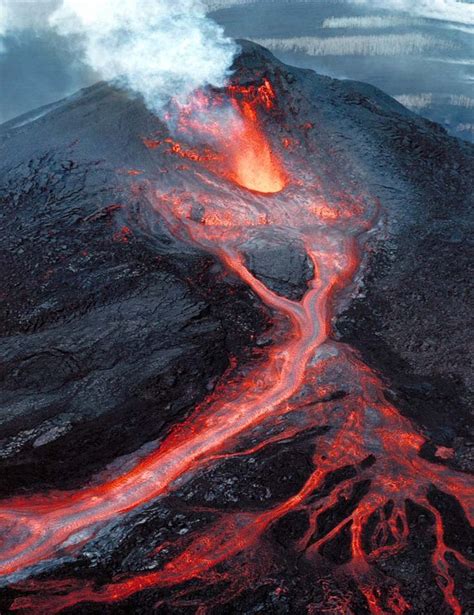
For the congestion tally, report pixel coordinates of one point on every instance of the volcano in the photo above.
(235, 369)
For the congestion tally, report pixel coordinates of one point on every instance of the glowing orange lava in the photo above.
(296, 378)
(240, 151)
(253, 164)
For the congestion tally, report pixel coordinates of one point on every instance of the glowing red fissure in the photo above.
(43, 527)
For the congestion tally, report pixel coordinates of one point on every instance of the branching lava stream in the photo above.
(298, 375)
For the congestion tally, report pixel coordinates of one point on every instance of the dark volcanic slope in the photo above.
(113, 329)
(107, 337)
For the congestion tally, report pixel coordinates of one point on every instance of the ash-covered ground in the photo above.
(114, 330)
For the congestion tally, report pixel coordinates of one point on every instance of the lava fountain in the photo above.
(240, 150)
(252, 162)
(236, 186)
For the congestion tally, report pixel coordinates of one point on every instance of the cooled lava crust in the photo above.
(235, 378)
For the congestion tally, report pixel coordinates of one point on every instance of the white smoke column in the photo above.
(161, 49)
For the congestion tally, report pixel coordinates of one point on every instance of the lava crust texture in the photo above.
(234, 355)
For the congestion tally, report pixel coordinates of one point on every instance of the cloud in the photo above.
(423, 101)
(376, 22)
(216, 5)
(377, 45)
(459, 100)
(415, 101)
(445, 10)
(458, 61)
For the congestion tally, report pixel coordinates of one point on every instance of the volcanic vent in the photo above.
(296, 480)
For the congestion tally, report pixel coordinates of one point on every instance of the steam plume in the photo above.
(161, 49)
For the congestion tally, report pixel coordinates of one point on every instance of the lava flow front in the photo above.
(230, 192)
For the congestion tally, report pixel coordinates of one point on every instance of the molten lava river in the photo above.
(365, 453)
